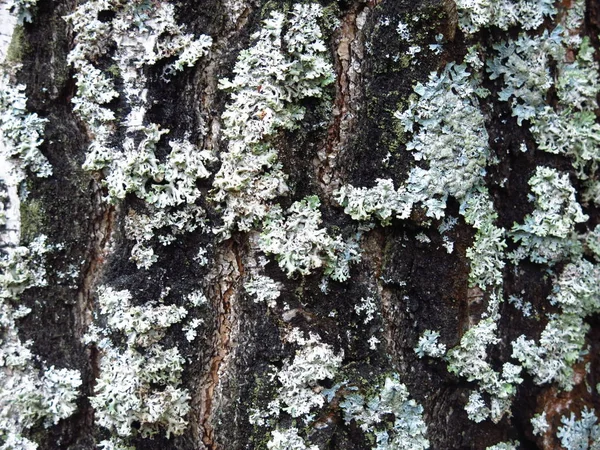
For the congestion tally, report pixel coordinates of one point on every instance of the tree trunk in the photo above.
(371, 224)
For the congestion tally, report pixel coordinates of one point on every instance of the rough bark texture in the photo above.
(416, 285)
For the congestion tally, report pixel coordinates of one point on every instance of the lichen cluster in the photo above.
(31, 393)
(140, 384)
(546, 77)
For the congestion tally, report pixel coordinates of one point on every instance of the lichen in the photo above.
(143, 35)
(21, 132)
(562, 341)
(547, 234)
(428, 345)
(30, 392)
(373, 414)
(138, 389)
(582, 434)
(473, 15)
(300, 246)
(287, 63)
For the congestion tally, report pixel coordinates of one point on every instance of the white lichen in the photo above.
(138, 389)
(21, 132)
(372, 415)
(474, 15)
(30, 392)
(539, 424)
(300, 246)
(547, 235)
(428, 345)
(582, 434)
(263, 289)
(287, 63)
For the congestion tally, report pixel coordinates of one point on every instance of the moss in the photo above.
(17, 47)
(32, 219)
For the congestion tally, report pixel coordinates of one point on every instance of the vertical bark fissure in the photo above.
(226, 281)
(348, 56)
(101, 227)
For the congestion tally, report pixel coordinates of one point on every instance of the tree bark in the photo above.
(409, 277)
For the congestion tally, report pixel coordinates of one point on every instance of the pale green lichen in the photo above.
(263, 289)
(114, 443)
(582, 434)
(524, 66)
(300, 246)
(474, 15)
(448, 134)
(373, 415)
(547, 234)
(562, 342)
(143, 35)
(287, 63)
(142, 325)
(469, 360)
(382, 202)
(428, 345)
(539, 424)
(21, 132)
(512, 445)
(530, 66)
(299, 378)
(22, 9)
(28, 395)
(559, 347)
(288, 439)
(138, 389)
(486, 255)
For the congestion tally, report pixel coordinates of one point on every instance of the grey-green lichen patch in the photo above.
(580, 434)
(487, 253)
(23, 9)
(300, 246)
(300, 392)
(474, 15)
(547, 234)
(288, 439)
(559, 347)
(133, 166)
(29, 394)
(511, 445)
(21, 132)
(531, 65)
(138, 389)
(382, 202)
(287, 63)
(171, 198)
(523, 65)
(263, 289)
(469, 360)
(562, 342)
(114, 443)
(571, 128)
(428, 345)
(373, 415)
(448, 135)
(539, 424)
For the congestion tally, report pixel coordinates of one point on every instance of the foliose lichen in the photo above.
(21, 132)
